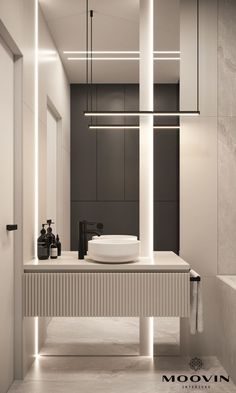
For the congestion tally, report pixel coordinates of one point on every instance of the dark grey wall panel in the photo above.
(131, 145)
(110, 165)
(166, 98)
(131, 102)
(131, 165)
(83, 148)
(117, 217)
(166, 168)
(110, 98)
(110, 146)
(166, 229)
(105, 165)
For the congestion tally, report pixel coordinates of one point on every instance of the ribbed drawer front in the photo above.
(106, 294)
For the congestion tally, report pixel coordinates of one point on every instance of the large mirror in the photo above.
(93, 174)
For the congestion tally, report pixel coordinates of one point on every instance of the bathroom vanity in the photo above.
(68, 287)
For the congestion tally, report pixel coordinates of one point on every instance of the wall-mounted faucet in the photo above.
(84, 231)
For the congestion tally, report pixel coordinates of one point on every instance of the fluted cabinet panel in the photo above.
(106, 294)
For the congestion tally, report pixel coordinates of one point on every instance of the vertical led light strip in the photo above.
(146, 155)
(36, 156)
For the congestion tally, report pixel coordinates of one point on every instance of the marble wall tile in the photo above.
(226, 195)
(198, 193)
(226, 137)
(227, 308)
(226, 57)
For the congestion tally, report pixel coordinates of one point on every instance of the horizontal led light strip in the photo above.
(107, 52)
(119, 58)
(131, 127)
(143, 113)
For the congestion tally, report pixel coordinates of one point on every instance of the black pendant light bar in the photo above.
(89, 84)
(130, 127)
(141, 113)
(87, 57)
(91, 58)
(154, 113)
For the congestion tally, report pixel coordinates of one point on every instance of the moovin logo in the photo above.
(198, 380)
(196, 364)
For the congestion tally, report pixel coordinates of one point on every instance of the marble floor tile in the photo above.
(114, 375)
(108, 336)
(102, 372)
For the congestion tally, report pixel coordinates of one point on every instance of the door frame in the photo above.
(18, 199)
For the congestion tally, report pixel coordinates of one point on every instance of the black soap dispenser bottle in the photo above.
(42, 245)
(58, 243)
(50, 236)
(53, 249)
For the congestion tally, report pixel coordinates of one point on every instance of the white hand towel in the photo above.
(193, 306)
(199, 308)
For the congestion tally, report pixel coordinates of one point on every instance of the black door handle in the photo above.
(11, 227)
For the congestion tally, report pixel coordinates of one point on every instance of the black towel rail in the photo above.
(195, 276)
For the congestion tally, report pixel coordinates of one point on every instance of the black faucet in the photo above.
(84, 231)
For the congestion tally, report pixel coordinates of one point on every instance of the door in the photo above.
(6, 216)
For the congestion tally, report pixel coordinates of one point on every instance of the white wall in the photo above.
(55, 90)
(52, 168)
(198, 164)
(18, 18)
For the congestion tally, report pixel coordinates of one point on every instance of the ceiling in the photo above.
(115, 27)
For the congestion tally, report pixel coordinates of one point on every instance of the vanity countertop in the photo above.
(162, 261)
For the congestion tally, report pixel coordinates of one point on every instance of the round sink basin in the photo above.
(115, 237)
(114, 249)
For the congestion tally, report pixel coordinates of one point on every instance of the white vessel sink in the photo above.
(113, 249)
(115, 237)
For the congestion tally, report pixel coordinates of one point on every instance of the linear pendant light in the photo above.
(119, 52)
(129, 127)
(142, 113)
(120, 58)
(89, 57)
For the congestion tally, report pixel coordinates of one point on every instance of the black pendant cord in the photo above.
(91, 60)
(87, 60)
(198, 55)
